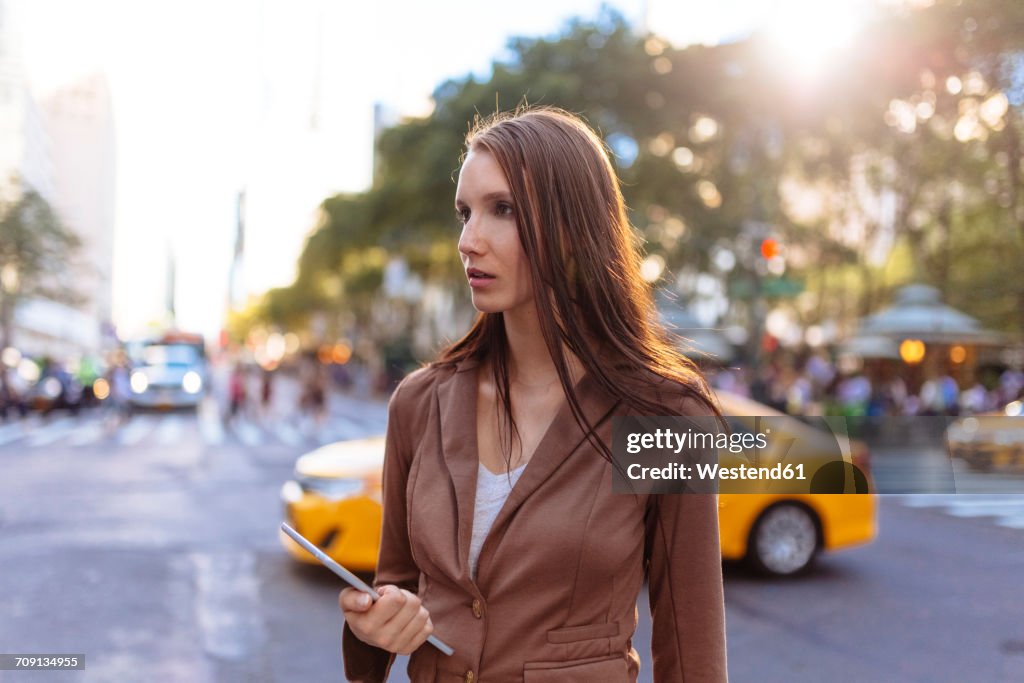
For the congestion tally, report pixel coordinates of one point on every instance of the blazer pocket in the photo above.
(573, 634)
(608, 670)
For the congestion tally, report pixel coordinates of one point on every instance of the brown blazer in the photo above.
(560, 571)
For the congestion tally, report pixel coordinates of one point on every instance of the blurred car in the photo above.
(335, 501)
(13, 389)
(168, 372)
(56, 389)
(990, 441)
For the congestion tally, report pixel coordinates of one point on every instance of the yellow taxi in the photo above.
(779, 530)
(335, 501)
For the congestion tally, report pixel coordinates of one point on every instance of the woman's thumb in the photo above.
(355, 601)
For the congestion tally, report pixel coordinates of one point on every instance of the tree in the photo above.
(708, 139)
(36, 253)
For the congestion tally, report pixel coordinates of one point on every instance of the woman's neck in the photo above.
(530, 362)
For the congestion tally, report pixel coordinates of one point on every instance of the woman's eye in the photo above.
(462, 215)
(504, 209)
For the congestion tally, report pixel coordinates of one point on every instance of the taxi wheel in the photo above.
(784, 540)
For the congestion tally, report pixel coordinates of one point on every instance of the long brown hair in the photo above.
(584, 265)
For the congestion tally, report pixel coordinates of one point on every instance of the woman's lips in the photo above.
(478, 278)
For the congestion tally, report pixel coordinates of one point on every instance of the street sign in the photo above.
(781, 287)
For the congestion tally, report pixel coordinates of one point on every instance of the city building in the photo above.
(24, 146)
(80, 124)
(62, 147)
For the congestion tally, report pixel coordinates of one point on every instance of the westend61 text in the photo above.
(708, 472)
(662, 439)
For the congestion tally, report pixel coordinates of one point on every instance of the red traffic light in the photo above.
(770, 249)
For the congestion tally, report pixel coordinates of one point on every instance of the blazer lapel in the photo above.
(561, 440)
(457, 407)
(457, 399)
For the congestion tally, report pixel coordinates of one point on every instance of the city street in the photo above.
(151, 548)
(227, 233)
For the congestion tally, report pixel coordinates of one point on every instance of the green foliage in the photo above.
(38, 246)
(37, 253)
(705, 138)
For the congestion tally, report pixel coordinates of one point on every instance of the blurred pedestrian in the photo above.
(890, 396)
(854, 395)
(119, 378)
(314, 395)
(237, 393)
(940, 396)
(266, 393)
(820, 370)
(799, 395)
(974, 399)
(1011, 386)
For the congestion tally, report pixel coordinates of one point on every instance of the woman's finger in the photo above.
(414, 633)
(352, 600)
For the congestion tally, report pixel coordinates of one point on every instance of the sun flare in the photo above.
(808, 34)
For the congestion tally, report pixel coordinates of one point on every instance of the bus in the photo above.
(169, 370)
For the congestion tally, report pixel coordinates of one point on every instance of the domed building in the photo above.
(924, 336)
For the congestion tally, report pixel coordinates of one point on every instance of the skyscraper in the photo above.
(80, 123)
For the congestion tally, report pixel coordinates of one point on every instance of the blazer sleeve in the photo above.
(365, 663)
(684, 565)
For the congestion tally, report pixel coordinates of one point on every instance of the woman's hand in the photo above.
(397, 622)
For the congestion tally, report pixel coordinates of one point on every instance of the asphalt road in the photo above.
(151, 547)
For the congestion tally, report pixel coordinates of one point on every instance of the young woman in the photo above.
(501, 533)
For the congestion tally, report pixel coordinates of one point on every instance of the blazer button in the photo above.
(469, 677)
(478, 613)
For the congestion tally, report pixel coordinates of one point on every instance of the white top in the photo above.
(491, 493)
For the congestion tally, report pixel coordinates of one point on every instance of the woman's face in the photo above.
(492, 255)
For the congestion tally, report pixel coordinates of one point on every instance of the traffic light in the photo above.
(770, 249)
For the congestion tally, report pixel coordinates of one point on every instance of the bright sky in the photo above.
(215, 95)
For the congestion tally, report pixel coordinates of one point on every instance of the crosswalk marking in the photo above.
(247, 433)
(980, 508)
(89, 433)
(169, 430)
(289, 435)
(52, 432)
(345, 427)
(136, 430)
(210, 426)
(97, 427)
(12, 432)
(228, 604)
(1006, 509)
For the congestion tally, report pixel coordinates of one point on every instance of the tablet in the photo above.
(350, 578)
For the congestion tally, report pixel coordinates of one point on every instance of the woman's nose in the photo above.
(469, 241)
